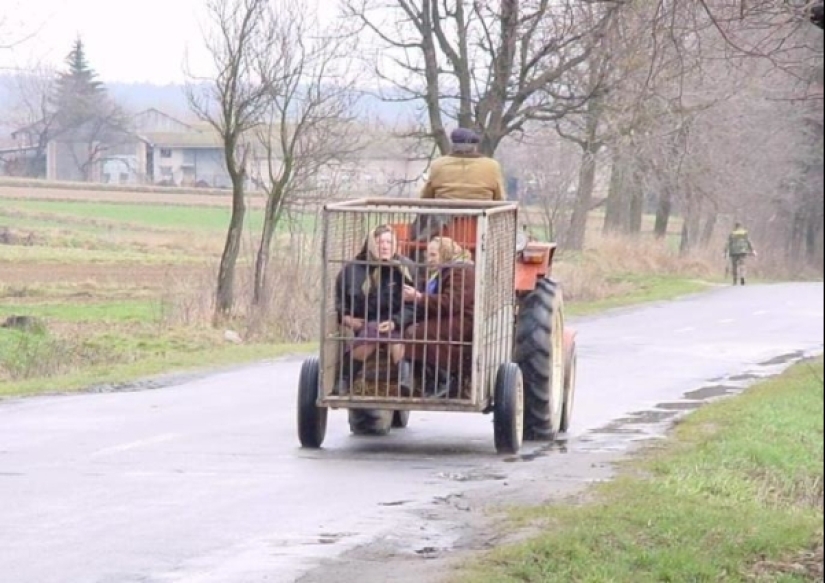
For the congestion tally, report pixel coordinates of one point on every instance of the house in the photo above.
(372, 161)
(154, 148)
(178, 153)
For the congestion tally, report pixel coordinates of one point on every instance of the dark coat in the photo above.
(384, 302)
(445, 318)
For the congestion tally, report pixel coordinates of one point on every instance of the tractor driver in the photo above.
(465, 174)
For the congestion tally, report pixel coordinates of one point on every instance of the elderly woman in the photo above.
(370, 302)
(445, 314)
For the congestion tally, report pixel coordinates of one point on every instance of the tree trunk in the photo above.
(584, 200)
(617, 207)
(272, 216)
(691, 226)
(636, 209)
(225, 294)
(663, 214)
(709, 228)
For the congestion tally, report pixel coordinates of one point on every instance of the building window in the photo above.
(165, 153)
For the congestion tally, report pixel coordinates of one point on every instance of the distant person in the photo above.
(737, 249)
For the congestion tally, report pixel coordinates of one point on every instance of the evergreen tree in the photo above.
(78, 94)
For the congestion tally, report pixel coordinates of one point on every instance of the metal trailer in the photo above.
(518, 362)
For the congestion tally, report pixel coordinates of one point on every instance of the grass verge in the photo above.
(148, 365)
(644, 289)
(736, 495)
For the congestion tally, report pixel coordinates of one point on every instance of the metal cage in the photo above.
(487, 230)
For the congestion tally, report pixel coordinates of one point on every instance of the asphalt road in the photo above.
(204, 482)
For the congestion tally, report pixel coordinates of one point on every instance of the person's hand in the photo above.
(411, 294)
(354, 324)
(386, 327)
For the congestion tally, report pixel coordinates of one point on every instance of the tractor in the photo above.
(523, 358)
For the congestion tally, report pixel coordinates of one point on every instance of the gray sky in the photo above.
(126, 40)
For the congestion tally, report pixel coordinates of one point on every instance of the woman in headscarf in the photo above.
(445, 314)
(370, 302)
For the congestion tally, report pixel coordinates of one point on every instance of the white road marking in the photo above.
(761, 312)
(727, 321)
(683, 330)
(136, 444)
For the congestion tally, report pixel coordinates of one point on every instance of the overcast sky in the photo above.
(126, 40)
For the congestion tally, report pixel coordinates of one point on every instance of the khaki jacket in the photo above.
(465, 177)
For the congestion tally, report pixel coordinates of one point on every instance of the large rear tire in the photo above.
(539, 351)
(508, 409)
(373, 422)
(312, 419)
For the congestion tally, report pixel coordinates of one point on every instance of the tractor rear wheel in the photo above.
(539, 351)
(370, 421)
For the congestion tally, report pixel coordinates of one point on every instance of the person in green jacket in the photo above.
(738, 248)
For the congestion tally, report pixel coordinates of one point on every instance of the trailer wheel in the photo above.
(400, 419)
(312, 419)
(370, 421)
(539, 351)
(508, 409)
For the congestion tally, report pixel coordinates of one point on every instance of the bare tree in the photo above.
(309, 96)
(545, 167)
(32, 115)
(15, 33)
(490, 66)
(233, 103)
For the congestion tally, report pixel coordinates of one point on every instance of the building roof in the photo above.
(192, 139)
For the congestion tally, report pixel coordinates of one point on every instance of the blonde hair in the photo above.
(450, 252)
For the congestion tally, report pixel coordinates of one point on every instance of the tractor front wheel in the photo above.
(569, 389)
(370, 421)
(400, 419)
(539, 351)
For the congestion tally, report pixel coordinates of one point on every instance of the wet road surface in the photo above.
(203, 482)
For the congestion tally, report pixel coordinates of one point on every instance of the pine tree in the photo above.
(78, 94)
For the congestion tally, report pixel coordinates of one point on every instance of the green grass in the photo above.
(101, 312)
(740, 480)
(165, 363)
(647, 288)
(172, 217)
(63, 255)
(161, 216)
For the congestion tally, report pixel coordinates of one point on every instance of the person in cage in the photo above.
(445, 315)
(370, 302)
